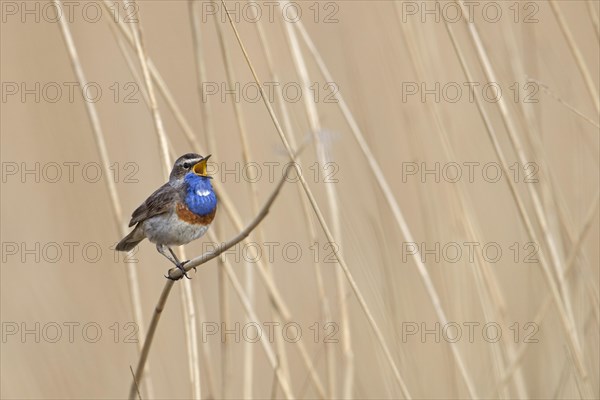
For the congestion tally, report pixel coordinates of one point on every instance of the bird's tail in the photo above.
(131, 240)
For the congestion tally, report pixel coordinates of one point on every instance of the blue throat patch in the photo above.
(200, 197)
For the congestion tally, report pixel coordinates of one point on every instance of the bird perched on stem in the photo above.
(180, 211)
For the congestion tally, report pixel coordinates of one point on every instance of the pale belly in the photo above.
(171, 231)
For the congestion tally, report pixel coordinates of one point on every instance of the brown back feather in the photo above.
(161, 201)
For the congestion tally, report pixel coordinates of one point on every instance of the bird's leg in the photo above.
(182, 263)
(173, 258)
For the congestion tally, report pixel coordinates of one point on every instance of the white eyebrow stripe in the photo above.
(203, 192)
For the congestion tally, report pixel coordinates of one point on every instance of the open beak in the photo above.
(200, 167)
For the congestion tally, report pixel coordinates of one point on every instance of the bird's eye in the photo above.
(186, 165)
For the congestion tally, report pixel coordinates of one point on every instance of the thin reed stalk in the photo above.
(132, 278)
(391, 201)
(319, 214)
(333, 201)
(492, 301)
(559, 99)
(311, 231)
(564, 308)
(201, 77)
(158, 80)
(224, 306)
(253, 194)
(583, 69)
(523, 214)
(541, 312)
(593, 13)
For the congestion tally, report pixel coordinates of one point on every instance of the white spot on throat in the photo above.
(203, 192)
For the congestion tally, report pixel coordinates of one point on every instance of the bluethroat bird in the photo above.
(180, 211)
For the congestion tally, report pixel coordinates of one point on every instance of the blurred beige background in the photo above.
(68, 324)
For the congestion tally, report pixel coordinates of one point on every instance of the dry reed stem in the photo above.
(247, 157)
(585, 265)
(562, 381)
(565, 309)
(143, 59)
(541, 313)
(515, 140)
(543, 261)
(132, 279)
(585, 73)
(205, 109)
(137, 389)
(162, 86)
(556, 204)
(312, 235)
(481, 271)
(516, 361)
(553, 199)
(283, 359)
(589, 218)
(223, 311)
(281, 316)
(93, 115)
(556, 97)
(594, 17)
(131, 64)
(529, 117)
(191, 334)
(207, 358)
(556, 211)
(274, 294)
(150, 336)
(315, 126)
(252, 191)
(319, 215)
(511, 128)
(251, 316)
(390, 199)
(224, 307)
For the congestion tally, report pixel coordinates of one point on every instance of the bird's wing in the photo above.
(158, 203)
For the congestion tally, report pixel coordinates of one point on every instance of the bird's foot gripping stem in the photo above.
(173, 258)
(180, 266)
